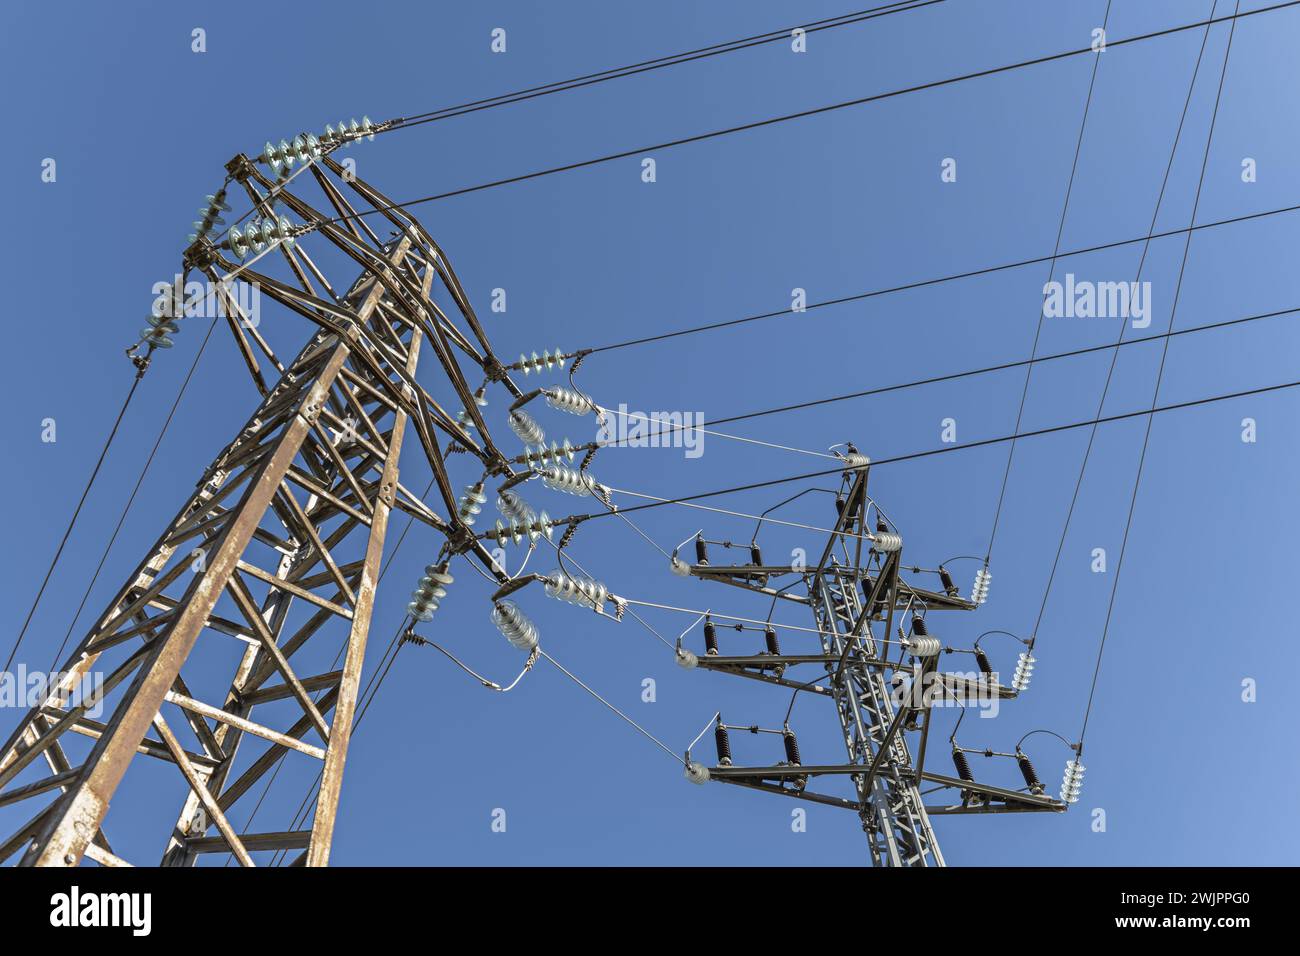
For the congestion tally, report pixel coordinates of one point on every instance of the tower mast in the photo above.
(279, 549)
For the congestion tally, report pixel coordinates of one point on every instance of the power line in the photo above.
(802, 114)
(1160, 372)
(924, 283)
(75, 513)
(662, 746)
(103, 558)
(1105, 391)
(658, 63)
(983, 370)
(912, 456)
(1051, 274)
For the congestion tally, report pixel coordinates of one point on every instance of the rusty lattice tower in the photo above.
(278, 550)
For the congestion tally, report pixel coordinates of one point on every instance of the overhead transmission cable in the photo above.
(1042, 305)
(968, 373)
(802, 114)
(121, 520)
(658, 63)
(948, 449)
(883, 461)
(662, 746)
(1155, 397)
(76, 512)
(924, 283)
(1110, 372)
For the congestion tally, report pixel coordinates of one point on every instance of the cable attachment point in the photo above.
(140, 361)
(696, 772)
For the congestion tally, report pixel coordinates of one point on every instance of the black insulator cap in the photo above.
(1031, 776)
(723, 741)
(701, 551)
(963, 765)
(769, 638)
(946, 579)
(918, 627)
(982, 662)
(755, 555)
(710, 638)
(791, 747)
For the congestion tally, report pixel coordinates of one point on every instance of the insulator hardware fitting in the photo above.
(533, 528)
(428, 592)
(924, 647)
(463, 418)
(514, 625)
(1024, 671)
(697, 772)
(573, 482)
(471, 503)
(539, 363)
(259, 236)
(887, 542)
(513, 506)
(585, 592)
(1072, 781)
(567, 400)
(541, 454)
(210, 214)
(523, 425)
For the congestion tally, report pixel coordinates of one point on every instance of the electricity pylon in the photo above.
(882, 685)
(278, 550)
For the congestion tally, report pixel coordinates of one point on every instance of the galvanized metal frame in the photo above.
(859, 674)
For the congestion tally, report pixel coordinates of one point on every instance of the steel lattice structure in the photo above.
(278, 552)
(289, 522)
(880, 698)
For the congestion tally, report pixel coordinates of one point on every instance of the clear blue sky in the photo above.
(837, 204)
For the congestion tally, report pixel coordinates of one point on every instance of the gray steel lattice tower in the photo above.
(880, 698)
